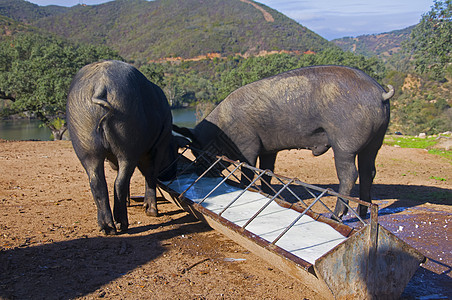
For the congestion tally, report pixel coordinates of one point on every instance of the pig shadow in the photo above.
(70, 269)
(428, 285)
(423, 284)
(407, 196)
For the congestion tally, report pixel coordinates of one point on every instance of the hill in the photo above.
(26, 12)
(382, 45)
(149, 30)
(9, 27)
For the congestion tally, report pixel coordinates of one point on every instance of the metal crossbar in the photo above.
(220, 183)
(202, 175)
(244, 190)
(298, 218)
(266, 204)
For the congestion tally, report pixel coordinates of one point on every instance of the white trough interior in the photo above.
(307, 239)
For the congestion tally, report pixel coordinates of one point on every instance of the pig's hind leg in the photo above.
(122, 187)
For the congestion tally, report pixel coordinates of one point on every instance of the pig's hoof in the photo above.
(362, 210)
(120, 227)
(108, 231)
(339, 212)
(150, 211)
(336, 218)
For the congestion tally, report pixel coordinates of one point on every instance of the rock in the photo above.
(444, 143)
(422, 135)
(443, 137)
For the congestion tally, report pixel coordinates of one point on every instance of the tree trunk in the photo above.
(57, 128)
(58, 133)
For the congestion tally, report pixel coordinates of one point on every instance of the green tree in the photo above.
(155, 73)
(253, 69)
(36, 71)
(431, 40)
(256, 68)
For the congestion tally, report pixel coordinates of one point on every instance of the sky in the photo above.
(331, 18)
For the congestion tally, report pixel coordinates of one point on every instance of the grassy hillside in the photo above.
(26, 12)
(9, 27)
(145, 30)
(420, 104)
(382, 45)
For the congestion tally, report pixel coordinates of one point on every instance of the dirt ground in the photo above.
(50, 246)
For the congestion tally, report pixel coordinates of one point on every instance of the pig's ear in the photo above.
(186, 132)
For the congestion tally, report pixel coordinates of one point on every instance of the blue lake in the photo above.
(31, 130)
(185, 117)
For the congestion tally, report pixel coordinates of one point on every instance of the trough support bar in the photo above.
(219, 184)
(202, 175)
(372, 248)
(298, 218)
(265, 205)
(241, 193)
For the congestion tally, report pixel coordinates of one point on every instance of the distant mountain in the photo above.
(149, 30)
(382, 45)
(26, 12)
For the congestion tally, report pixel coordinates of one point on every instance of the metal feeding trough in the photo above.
(332, 258)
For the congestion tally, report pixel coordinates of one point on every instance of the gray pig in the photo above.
(311, 108)
(113, 112)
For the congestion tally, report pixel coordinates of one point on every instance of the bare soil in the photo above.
(50, 246)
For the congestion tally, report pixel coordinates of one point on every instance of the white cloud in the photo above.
(333, 19)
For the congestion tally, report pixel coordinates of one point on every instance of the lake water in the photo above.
(184, 117)
(31, 129)
(24, 130)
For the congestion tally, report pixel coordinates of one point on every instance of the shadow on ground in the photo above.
(426, 284)
(78, 267)
(407, 195)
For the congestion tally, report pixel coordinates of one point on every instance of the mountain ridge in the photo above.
(176, 30)
(382, 45)
(27, 12)
(149, 30)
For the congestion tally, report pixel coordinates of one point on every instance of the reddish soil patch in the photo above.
(50, 246)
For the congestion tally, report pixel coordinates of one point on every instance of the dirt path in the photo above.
(267, 16)
(50, 246)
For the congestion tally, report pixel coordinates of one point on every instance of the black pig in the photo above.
(311, 108)
(113, 112)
